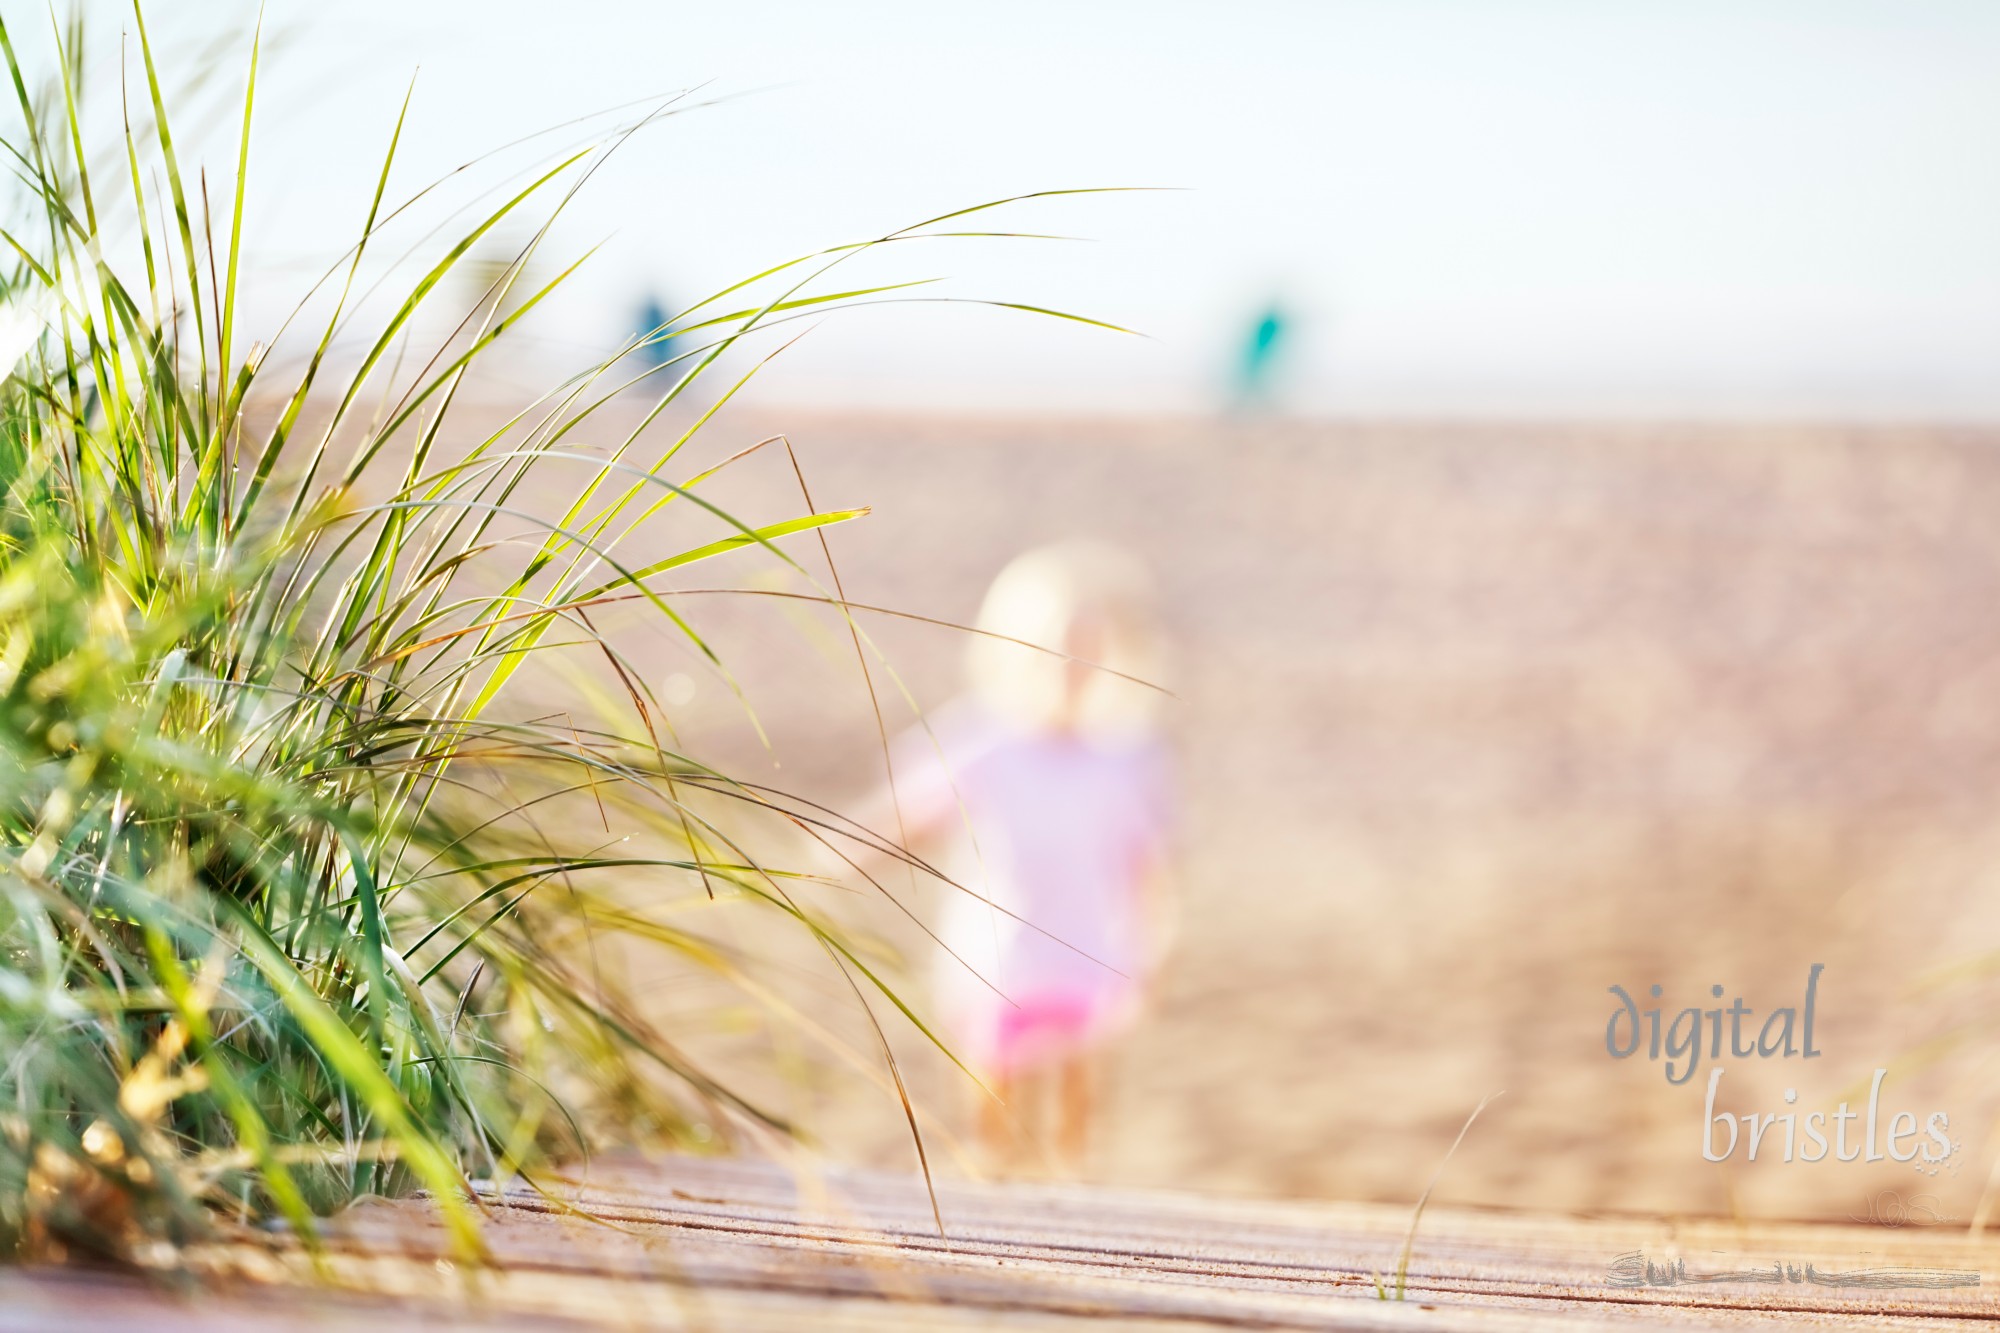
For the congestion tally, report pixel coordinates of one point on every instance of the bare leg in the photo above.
(1075, 1108)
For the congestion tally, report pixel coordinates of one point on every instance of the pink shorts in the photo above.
(1041, 1027)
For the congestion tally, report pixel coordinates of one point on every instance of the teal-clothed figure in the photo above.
(1257, 363)
(658, 348)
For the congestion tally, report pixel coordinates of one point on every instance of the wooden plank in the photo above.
(698, 1243)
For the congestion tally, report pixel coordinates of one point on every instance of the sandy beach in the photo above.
(1474, 722)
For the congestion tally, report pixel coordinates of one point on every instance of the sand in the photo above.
(1473, 723)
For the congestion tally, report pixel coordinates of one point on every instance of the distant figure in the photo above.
(1259, 358)
(655, 348)
(1048, 784)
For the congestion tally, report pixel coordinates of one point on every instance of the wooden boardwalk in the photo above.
(711, 1244)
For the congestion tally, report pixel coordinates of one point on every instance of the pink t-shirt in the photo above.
(1060, 830)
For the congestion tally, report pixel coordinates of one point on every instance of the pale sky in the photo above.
(1515, 207)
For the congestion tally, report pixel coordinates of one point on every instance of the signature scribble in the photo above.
(1634, 1269)
(1890, 1209)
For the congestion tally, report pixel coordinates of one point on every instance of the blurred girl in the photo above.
(1047, 785)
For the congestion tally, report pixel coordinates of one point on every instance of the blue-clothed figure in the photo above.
(1259, 358)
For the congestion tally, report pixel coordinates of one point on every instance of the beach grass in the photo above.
(298, 901)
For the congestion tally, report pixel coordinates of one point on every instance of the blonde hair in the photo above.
(1040, 598)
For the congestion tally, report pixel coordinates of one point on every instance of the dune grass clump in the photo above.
(290, 910)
